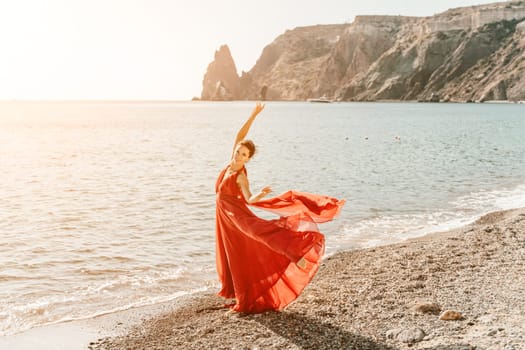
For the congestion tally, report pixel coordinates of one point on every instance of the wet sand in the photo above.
(388, 297)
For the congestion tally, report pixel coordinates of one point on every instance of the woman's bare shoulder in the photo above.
(241, 177)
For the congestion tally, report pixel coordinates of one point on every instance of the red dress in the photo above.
(256, 257)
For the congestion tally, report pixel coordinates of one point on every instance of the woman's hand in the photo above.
(265, 191)
(257, 109)
(258, 197)
(255, 198)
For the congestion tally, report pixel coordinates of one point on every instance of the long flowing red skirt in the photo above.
(256, 257)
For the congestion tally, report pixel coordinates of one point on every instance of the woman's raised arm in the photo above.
(246, 127)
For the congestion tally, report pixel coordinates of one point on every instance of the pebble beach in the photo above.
(455, 290)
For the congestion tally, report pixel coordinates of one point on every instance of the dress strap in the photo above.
(220, 178)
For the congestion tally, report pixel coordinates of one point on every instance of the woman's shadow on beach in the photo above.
(308, 333)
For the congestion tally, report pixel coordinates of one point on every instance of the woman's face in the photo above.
(241, 154)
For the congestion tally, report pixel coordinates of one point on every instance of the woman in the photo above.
(265, 264)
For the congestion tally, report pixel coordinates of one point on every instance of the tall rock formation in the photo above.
(472, 53)
(221, 81)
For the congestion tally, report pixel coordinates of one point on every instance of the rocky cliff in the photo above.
(221, 81)
(466, 54)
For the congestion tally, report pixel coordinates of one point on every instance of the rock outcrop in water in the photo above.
(221, 81)
(465, 54)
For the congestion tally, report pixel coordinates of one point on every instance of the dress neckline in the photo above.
(233, 173)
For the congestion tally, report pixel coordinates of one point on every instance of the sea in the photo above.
(106, 206)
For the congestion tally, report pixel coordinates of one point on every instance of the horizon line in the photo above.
(76, 100)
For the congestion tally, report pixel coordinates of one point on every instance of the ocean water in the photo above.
(108, 206)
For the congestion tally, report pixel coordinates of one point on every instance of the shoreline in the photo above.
(79, 333)
(384, 297)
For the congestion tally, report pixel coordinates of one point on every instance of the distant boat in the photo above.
(322, 99)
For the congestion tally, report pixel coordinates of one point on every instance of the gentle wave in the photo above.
(140, 303)
(386, 229)
(19, 316)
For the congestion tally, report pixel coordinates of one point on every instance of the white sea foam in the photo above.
(139, 303)
(386, 229)
(14, 322)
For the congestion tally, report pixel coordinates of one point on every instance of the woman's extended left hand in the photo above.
(266, 190)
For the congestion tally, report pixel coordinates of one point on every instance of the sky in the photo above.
(154, 49)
